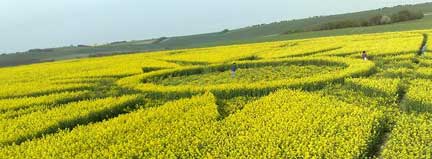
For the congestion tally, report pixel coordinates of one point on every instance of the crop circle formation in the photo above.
(292, 72)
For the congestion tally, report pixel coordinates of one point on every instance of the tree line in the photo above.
(401, 16)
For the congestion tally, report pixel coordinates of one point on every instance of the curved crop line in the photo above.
(313, 52)
(344, 54)
(151, 69)
(86, 117)
(49, 91)
(187, 71)
(369, 90)
(180, 62)
(354, 68)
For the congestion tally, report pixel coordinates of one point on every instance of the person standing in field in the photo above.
(364, 55)
(233, 70)
(423, 50)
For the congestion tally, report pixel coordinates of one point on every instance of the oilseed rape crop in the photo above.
(417, 96)
(411, 137)
(309, 98)
(390, 89)
(293, 124)
(144, 133)
(15, 107)
(22, 103)
(192, 124)
(145, 82)
(38, 122)
(37, 88)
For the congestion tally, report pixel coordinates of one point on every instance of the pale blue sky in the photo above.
(29, 24)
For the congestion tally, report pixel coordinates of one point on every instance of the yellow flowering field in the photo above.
(308, 98)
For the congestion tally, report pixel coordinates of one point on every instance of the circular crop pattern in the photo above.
(247, 75)
(252, 77)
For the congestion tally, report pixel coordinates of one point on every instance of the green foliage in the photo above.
(284, 30)
(406, 15)
(401, 16)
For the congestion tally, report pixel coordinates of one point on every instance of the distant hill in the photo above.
(258, 33)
